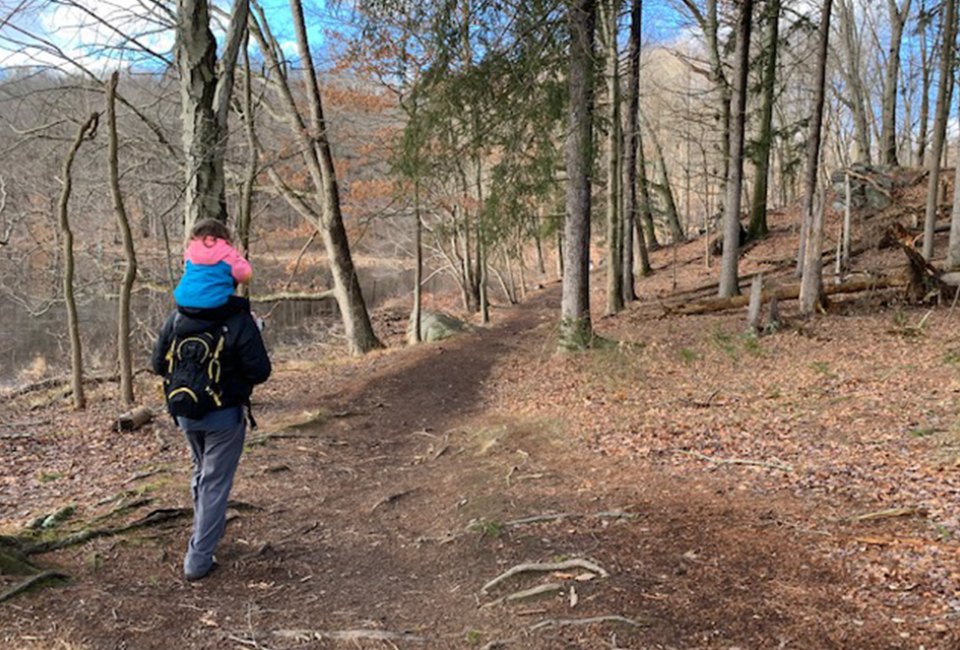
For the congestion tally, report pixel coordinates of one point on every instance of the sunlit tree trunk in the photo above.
(610, 13)
(947, 66)
(576, 331)
(811, 283)
(888, 132)
(632, 141)
(731, 213)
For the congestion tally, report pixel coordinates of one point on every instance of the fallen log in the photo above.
(791, 292)
(133, 420)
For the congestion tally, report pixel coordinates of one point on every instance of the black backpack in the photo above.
(192, 383)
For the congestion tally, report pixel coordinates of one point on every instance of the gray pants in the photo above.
(216, 443)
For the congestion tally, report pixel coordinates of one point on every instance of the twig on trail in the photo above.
(536, 566)
(30, 582)
(538, 518)
(567, 622)
(783, 467)
(348, 635)
(247, 642)
(890, 513)
(26, 423)
(147, 474)
(392, 498)
(539, 590)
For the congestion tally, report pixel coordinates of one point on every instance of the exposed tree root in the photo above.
(568, 622)
(349, 635)
(31, 582)
(29, 547)
(533, 592)
(535, 566)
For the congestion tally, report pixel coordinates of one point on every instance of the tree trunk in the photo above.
(646, 205)
(632, 137)
(851, 71)
(758, 209)
(87, 131)
(731, 210)
(315, 148)
(725, 92)
(416, 316)
(204, 105)
(888, 132)
(811, 284)
(925, 80)
(129, 254)
(576, 331)
(665, 189)
(953, 248)
(940, 125)
(610, 13)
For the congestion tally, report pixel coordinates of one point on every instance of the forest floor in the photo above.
(797, 490)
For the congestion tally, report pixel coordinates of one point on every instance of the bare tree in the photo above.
(811, 284)
(610, 11)
(86, 131)
(888, 133)
(130, 269)
(944, 93)
(729, 285)
(632, 138)
(315, 150)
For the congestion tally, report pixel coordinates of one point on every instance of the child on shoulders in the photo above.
(212, 269)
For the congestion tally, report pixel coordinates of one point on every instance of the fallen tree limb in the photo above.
(791, 292)
(567, 622)
(298, 296)
(133, 420)
(783, 467)
(57, 382)
(546, 567)
(889, 513)
(31, 582)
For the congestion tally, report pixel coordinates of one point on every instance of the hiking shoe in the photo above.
(193, 577)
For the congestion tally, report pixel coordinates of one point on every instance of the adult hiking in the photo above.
(210, 360)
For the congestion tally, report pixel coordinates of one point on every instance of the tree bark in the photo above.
(758, 210)
(205, 96)
(940, 125)
(87, 131)
(811, 283)
(129, 254)
(888, 131)
(610, 13)
(632, 141)
(315, 148)
(576, 331)
(922, 20)
(734, 185)
(858, 100)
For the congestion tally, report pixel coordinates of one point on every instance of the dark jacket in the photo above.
(244, 361)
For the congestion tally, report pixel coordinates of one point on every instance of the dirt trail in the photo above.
(392, 514)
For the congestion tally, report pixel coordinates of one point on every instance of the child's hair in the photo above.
(210, 228)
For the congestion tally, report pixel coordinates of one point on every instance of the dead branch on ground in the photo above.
(783, 467)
